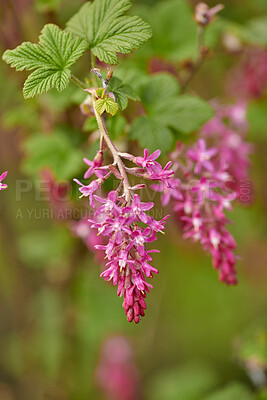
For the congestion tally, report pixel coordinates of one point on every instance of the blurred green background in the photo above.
(199, 336)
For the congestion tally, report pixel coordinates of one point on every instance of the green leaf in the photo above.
(151, 134)
(51, 58)
(186, 113)
(174, 30)
(90, 125)
(106, 31)
(55, 151)
(107, 104)
(155, 90)
(166, 112)
(122, 92)
(100, 92)
(116, 126)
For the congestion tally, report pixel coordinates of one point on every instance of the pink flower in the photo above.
(151, 169)
(95, 166)
(162, 174)
(89, 190)
(137, 209)
(201, 155)
(148, 161)
(248, 79)
(228, 128)
(169, 191)
(109, 204)
(204, 190)
(2, 177)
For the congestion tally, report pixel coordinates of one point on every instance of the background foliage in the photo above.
(55, 311)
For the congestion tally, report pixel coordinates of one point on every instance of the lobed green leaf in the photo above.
(122, 92)
(106, 104)
(106, 31)
(51, 58)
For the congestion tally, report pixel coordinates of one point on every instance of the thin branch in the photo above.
(202, 52)
(115, 153)
(77, 81)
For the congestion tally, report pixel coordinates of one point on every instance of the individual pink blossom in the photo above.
(95, 166)
(162, 175)
(201, 155)
(151, 169)
(137, 209)
(89, 190)
(171, 190)
(2, 177)
(205, 190)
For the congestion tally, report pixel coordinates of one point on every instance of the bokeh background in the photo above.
(63, 334)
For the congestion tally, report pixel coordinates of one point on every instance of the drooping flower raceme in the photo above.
(122, 219)
(128, 263)
(2, 177)
(209, 173)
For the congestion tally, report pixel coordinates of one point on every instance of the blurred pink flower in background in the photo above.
(56, 194)
(228, 130)
(82, 229)
(248, 79)
(210, 174)
(116, 374)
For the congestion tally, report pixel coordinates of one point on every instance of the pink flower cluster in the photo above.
(202, 189)
(228, 129)
(122, 219)
(2, 177)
